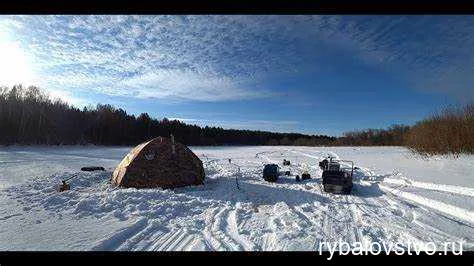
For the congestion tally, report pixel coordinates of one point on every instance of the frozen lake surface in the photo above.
(397, 197)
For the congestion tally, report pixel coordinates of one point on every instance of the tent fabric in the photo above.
(153, 164)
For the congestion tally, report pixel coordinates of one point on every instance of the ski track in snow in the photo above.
(430, 186)
(285, 215)
(454, 211)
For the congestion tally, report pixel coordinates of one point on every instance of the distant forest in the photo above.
(29, 116)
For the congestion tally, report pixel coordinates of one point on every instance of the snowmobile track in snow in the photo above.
(286, 215)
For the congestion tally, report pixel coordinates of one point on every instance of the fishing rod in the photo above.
(238, 174)
(65, 186)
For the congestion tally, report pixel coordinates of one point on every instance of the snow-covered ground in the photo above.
(397, 197)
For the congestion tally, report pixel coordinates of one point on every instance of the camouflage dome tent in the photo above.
(159, 162)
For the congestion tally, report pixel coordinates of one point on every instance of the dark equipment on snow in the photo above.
(286, 162)
(287, 173)
(335, 178)
(297, 177)
(304, 173)
(64, 186)
(92, 168)
(305, 176)
(323, 164)
(239, 173)
(271, 172)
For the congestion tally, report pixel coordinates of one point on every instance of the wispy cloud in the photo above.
(185, 84)
(143, 57)
(432, 53)
(217, 58)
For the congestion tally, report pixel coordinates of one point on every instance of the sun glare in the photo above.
(16, 66)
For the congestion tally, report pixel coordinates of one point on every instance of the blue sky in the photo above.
(309, 74)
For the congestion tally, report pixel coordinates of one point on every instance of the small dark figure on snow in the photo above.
(64, 186)
(305, 176)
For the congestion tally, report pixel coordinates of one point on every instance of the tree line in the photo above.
(394, 135)
(29, 116)
(451, 131)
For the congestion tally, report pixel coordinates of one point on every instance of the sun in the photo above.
(15, 64)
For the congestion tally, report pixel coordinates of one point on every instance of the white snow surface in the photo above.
(397, 197)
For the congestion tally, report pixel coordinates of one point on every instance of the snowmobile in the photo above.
(271, 172)
(336, 179)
